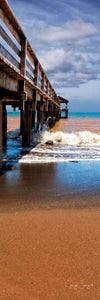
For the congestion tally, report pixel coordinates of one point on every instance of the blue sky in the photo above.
(65, 36)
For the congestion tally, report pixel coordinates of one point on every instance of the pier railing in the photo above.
(16, 52)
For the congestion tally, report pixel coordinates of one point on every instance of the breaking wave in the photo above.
(54, 147)
(13, 134)
(82, 138)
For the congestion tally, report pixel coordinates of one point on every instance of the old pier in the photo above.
(23, 82)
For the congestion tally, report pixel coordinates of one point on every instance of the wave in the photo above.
(81, 138)
(13, 134)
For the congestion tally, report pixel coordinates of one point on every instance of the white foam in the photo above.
(46, 154)
(54, 160)
(82, 138)
(13, 134)
(73, 146)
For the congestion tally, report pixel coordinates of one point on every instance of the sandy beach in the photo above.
(50, 254)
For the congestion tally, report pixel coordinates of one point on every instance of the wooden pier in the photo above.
(23, 82)
(64, 106)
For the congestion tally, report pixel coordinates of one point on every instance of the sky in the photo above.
(65, 36)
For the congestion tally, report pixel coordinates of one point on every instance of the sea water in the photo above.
(73, 139)
(54, 175)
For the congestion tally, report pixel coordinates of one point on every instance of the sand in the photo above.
(50, 254)
(13, 123)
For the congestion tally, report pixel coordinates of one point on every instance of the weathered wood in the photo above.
(42, 81)
(34, 102)
(23, 56)
(29, 76)
(31, 59)
(36, 72)
(9, 25)
(0, 133)
(15, 76)
(9, 41)
(21, 85)
(46, 105)
(4, 124)
(47, 89)
(50, 90)
(31, 55)
(9, 56)
(29, 66)
(26, 126)
(34, 107)
(29, 92)
(7, 82)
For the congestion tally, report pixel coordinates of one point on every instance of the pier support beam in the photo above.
(4, 124)
(66, 113)
(0, 134)
(46, 110)
(34, 104)
(40, 113)
(26, 126)
(21, 119)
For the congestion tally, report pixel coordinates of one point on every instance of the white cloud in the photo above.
(52, 59)
(70, 30)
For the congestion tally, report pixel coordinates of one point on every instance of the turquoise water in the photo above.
(71, 114)
(13, 114)
(83, 114)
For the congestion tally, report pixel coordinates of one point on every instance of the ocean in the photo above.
(69, 166)
(73, 139)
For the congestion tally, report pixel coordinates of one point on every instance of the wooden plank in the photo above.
(29, 76)
(39, 84)
(29, 66)
(42, 81)
(29, 92)
(9, 26)
(8, 82)
(10, 70)
(8, 56)
(39, 79)
(0, 133)
(36, 72)
(47, 90)
(23, 56)
(9, 41)
(30, 57)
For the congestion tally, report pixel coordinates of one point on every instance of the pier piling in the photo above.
(4, 124)
(0, 134)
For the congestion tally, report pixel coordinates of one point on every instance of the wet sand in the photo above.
(50, 254)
